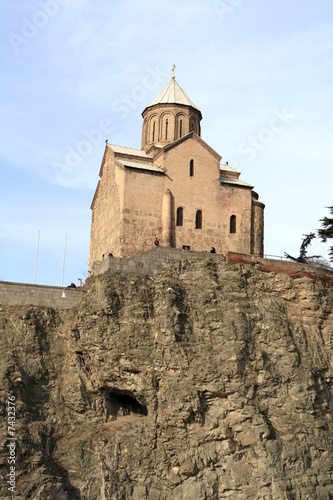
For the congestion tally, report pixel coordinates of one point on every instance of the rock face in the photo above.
(211, 380)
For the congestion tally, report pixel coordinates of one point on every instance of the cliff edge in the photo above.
(210, 380)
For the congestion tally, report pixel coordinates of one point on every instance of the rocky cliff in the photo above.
(208, 381)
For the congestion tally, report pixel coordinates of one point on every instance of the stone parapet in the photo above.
(152, 261)
(24, 294)
(293, 269)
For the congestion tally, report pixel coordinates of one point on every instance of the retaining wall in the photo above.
(293, 269)
(152, 261)
(23, 294)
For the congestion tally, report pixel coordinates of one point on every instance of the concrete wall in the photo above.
(23, 294)
(153, 261)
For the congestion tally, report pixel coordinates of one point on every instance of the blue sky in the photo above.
(77, 72)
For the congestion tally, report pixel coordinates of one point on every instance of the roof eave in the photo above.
(172, 104)
(232, 182)
(138, 167)
(185, 138)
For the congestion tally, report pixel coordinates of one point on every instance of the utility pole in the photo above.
(36, 256)
(63, 264)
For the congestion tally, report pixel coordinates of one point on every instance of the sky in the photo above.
(76, 72)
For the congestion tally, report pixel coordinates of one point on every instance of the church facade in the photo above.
(174, 188)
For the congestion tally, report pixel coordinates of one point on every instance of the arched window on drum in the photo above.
(193, 126)
(153, 132)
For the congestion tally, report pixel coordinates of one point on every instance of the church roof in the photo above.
(139, 165)
(128, 151)
(235, 182)
(173, 94)
(190, 135)
(226, 168)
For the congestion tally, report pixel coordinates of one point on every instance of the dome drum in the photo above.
(169, 116)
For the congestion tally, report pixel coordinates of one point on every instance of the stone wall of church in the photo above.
(107, 214)
(142, 212)
(203, 191)
(257, 233)
(235, 202)
(134, 207)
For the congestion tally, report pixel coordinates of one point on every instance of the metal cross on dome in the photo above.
(173, 71)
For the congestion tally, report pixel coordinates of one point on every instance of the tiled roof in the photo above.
(139, 165)
(129, 151)
(227, 168)
(173, 94)
(235, 182)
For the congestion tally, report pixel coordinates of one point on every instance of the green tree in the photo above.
(326, 232)
(303, 250)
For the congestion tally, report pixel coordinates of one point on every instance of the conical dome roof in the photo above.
(173, 94)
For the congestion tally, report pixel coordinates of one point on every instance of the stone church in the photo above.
(174, 188)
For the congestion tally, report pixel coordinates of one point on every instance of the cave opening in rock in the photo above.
(125, 403)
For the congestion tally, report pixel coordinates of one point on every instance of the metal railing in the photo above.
(280, 257)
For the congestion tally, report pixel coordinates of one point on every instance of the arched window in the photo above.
(166, 129)
(180, 128)
(191, 168)
(233, 224)
(180, 216)
(154, 132)
(198, 220)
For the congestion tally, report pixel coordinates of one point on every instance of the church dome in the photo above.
(170, 116)
(173, 94)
